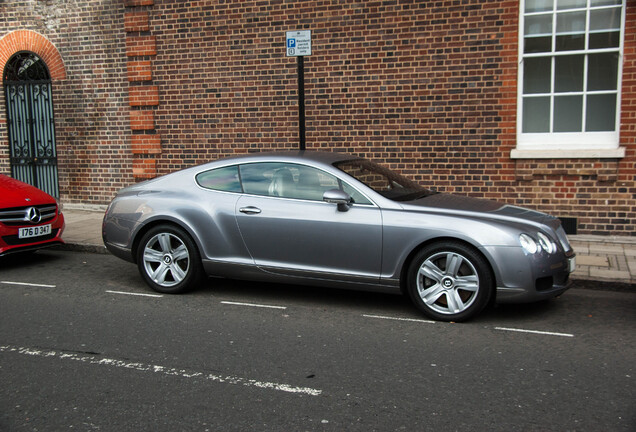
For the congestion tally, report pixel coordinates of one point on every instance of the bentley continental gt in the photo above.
(333, 219)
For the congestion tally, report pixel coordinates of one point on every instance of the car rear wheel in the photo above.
(450, 281)
(168, 260)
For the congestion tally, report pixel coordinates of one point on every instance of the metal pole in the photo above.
(301, 102)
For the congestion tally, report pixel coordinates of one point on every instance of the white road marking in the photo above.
(141, 367)
(546, 333)
(399, 319)
(134, 294)
(27, 284)
(535, 332)
(253, 305)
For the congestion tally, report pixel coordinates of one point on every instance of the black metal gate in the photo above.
(27, 88)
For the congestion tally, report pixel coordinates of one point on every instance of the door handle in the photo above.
(250, 210)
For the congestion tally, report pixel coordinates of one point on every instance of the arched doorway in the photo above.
(30, 123)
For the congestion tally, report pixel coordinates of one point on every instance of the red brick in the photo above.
(146, 144)
(143, 96)
(134, 3)
(142, 120)
(139, 70)
(136, 22)
(141, 46)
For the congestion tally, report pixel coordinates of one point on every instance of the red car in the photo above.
(29, 218)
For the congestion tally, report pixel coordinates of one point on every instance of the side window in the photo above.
(357, 197)
(222, 179)
(257, 177)
(313, 183)
(291, 181)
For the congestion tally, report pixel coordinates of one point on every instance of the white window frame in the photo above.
(568, 144)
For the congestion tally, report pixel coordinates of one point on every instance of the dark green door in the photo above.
(30, 124)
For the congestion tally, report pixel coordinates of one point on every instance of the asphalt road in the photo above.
(85, 345)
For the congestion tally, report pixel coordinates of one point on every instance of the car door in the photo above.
(288, 229)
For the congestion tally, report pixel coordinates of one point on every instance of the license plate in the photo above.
(37, 231)
(572, 264)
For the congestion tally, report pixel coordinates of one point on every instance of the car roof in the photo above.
(292, 155)
(323, 158)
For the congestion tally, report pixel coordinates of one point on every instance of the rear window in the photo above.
(224, 179)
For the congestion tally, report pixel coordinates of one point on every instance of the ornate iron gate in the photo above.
(27, 87)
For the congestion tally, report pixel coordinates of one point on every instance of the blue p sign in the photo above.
(291, 43)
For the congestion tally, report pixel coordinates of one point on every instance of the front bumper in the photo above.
(11, 243)
(523, 278)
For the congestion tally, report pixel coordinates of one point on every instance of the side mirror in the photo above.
(336, 196)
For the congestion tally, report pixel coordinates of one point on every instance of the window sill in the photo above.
(616, 153)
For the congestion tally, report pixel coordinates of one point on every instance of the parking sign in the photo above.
(298, 43)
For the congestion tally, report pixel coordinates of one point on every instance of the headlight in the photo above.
(546, 244)
(528, 244)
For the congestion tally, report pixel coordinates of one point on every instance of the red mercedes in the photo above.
(29, 218)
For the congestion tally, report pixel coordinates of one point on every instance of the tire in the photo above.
(450, 281)
(169, 260)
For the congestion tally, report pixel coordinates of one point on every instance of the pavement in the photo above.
(603, 259)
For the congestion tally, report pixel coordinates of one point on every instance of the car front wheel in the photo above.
(450, 281)
(168, 260)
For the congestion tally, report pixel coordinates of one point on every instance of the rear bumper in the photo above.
(119, 252)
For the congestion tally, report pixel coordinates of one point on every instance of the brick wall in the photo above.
(90, 100)
(429, 87)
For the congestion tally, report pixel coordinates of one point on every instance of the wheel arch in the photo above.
(445, 239)
(156, 222)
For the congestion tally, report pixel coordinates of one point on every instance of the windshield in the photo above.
(387, 183)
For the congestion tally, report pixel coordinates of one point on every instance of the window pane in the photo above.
(286, 180)
(605, 40)
(540, 24)
(605, 2)
(605, 19)
(602, 71)
(536, 114)
(571, 4)
(571, 22)
(538, 44)
(358, 198)
(222, 179)
(568, 73)
(538, 5)
(312, 184)
(536, 75)
(570, 42)
(568, 113)
(257, 178)
(601, 113)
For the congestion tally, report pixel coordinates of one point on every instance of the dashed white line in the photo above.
(141, 367)
(134, 294)
(253, 305)
(27, 284)
(399, 319)
(546, 333)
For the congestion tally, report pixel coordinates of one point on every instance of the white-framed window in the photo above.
(571, 55)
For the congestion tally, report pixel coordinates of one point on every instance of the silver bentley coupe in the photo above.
(333, 219)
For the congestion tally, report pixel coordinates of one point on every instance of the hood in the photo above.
(14, 193)
(481, 208)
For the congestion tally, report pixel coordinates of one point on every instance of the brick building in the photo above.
(530, 102)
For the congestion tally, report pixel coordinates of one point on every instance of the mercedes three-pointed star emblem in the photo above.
(34, 215)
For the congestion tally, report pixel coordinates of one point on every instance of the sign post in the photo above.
(298, 44)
